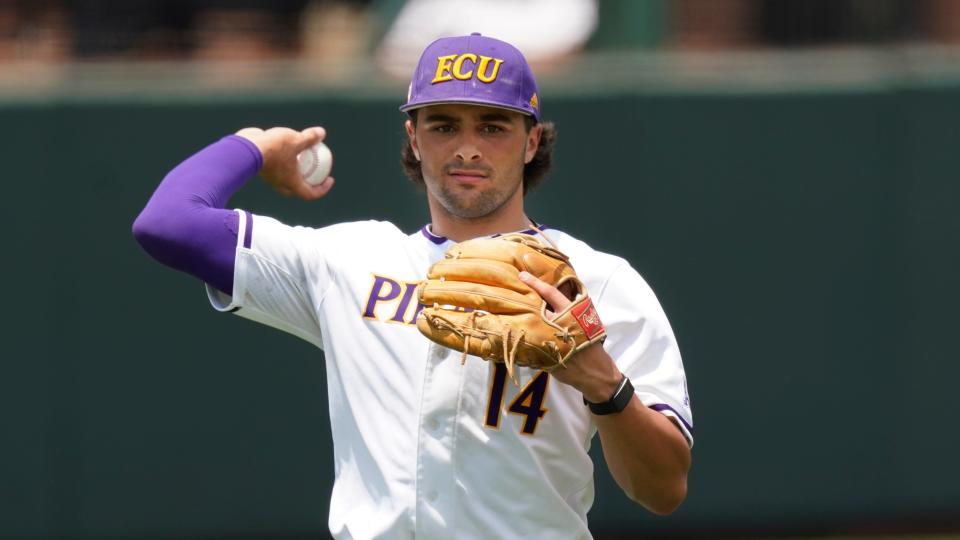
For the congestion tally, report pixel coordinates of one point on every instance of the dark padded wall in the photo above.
(803, 245)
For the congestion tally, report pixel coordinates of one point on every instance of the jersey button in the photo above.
(432, 496)
(433, 424)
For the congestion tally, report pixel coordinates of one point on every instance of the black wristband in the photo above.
(617, 402)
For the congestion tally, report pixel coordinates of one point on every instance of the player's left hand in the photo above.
(592, 370)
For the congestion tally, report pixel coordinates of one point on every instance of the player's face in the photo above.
(472, 156)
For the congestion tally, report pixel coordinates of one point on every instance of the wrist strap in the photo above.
(617, 402)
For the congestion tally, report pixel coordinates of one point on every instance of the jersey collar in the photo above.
(437, 239)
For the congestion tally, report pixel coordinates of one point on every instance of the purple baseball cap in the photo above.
(475, 70)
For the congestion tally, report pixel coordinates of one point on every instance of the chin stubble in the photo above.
(483, 204)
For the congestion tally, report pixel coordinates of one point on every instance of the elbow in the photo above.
(663, 501)
(670, 501)
(141, 229)
(155, 233)
(146, 230)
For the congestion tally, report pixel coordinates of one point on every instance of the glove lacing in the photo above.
(510, 347)
(509, 339)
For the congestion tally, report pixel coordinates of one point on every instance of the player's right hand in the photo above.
(279, 147)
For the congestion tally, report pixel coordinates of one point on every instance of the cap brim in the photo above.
(465, 101)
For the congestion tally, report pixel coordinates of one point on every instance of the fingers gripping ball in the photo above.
(480, 306)
(315, 163)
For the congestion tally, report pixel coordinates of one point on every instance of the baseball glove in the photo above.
(480, 306)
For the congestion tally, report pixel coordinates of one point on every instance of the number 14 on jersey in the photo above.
(528, 402)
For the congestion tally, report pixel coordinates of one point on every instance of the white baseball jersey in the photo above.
(423, 446)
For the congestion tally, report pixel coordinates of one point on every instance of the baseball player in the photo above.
(425, 445)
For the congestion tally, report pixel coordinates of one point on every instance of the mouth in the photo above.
(467, 176)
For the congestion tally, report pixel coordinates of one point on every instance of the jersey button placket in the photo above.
(434, 466)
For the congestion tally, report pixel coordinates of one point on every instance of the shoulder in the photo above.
(603, 273)
(270, 234)
(368, 228)
(352, 232)
(576, 248)
(588, 262)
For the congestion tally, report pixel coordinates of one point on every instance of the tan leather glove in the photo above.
(477, 304)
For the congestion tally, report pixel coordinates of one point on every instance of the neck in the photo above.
(508, 218)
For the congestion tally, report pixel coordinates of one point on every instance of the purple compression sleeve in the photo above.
(185, 225)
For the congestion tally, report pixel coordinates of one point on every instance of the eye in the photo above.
(491, 128)
(442, 128)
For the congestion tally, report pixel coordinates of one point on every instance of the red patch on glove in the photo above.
(588, 318)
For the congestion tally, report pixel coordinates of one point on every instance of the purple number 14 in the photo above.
(528, 402)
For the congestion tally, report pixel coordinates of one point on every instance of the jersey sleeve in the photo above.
(280, 276)
(641, 341)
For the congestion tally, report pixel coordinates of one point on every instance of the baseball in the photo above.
(315, 163)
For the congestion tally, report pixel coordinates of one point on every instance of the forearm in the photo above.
(645, 452)
(647, 456)
(185, 225)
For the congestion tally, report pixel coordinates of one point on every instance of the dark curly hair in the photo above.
(533, 172)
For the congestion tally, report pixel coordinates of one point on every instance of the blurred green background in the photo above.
(803, 245)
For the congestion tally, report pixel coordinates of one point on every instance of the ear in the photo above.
(533, 143)
(412, 135)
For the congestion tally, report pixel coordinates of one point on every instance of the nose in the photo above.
(467, 148)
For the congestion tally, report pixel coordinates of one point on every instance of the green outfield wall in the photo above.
(804, 246)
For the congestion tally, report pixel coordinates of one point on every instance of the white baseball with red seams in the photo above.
(315, 163)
